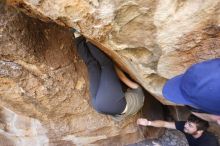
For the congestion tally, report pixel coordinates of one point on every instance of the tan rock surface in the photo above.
(44, 98)
(151, 40)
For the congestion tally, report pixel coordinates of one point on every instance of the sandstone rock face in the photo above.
(42, 79)
(21, 130)
(44, 98)
(152, 40)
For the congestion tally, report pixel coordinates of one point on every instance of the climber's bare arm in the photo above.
(156, 123)
(124, 79)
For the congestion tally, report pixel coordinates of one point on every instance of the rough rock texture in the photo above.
(151, 40)
(21, 130)
(44, 98)
(170, 138)
(42, 78)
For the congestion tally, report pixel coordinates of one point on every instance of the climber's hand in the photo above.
(143, 122)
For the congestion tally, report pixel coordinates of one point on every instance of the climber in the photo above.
(199, 89)
(105, 87)
(194, 129)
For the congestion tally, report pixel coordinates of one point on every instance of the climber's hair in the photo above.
(200, 123)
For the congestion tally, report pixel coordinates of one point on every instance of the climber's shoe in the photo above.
(75, 32)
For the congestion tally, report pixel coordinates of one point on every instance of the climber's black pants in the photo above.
(105, 86)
